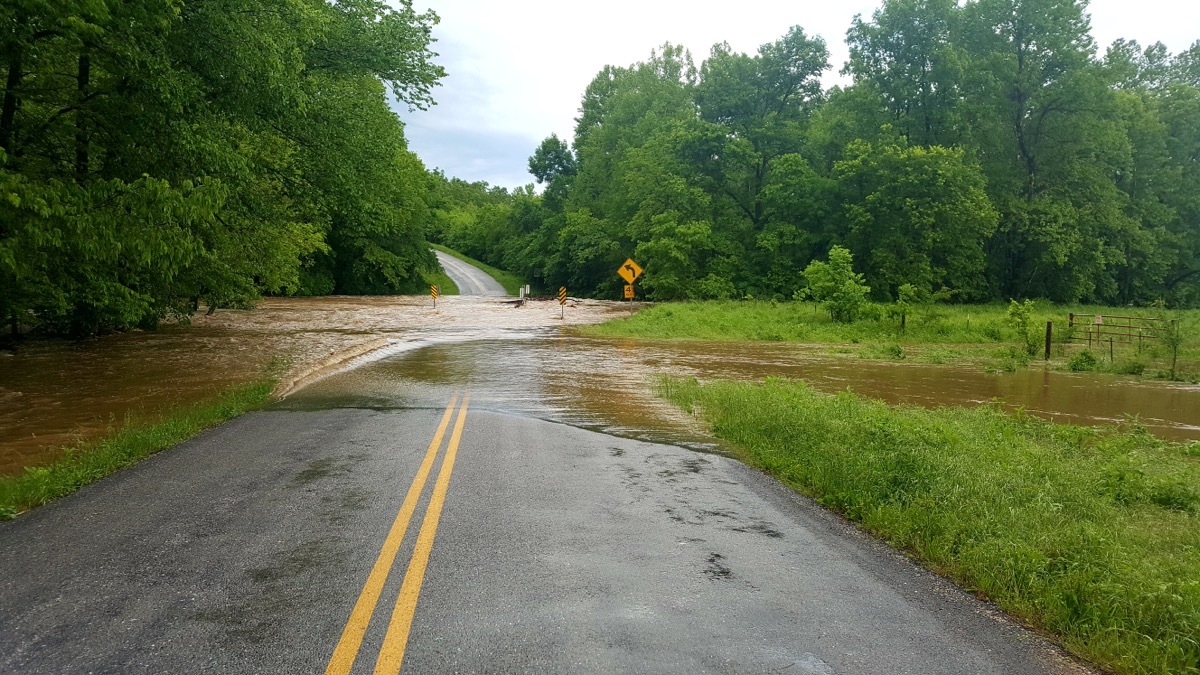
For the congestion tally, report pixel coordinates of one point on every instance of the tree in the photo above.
(910, 55)
(836, 286)
(553, 163)
(921, 213)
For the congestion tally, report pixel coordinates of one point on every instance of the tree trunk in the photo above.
(82, 140)
(9, 111)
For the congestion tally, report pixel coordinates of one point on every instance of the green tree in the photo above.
(923, 215)
(910, 55)
(836, 286)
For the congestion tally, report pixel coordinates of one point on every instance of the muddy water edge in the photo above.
(518, 360)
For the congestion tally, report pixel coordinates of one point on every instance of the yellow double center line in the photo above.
(391, 654)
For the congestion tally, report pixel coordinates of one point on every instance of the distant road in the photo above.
(470, 279)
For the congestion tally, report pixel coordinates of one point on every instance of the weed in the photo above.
(1090, 534)
(1083, 361)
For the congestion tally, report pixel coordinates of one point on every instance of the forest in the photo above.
(981, 151)
(160, 155)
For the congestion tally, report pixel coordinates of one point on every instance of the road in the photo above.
(470, 279)
(427, 512)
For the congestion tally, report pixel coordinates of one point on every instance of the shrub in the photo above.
(1083, 361)
(835, 285)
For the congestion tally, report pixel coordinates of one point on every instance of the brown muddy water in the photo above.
(515, 360)
(609, 384)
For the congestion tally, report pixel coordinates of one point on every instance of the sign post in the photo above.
(562, 302)
(434, 291)
(630, 271)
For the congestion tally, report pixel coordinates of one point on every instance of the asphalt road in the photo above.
(405, 526)
(558, 550)
(470, 279)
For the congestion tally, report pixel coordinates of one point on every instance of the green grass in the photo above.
(92, 460)
(934, 333)
(445, 284)
(1092, 535)
(512, 283)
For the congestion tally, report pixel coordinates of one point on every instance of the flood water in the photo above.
(512, 360)
(609, 384)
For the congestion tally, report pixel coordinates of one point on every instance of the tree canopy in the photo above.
(982, 150)
(158, 154)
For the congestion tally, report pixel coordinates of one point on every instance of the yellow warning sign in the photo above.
(629, 292)
(630, 271)
(562, 295)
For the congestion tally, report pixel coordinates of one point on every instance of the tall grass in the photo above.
(1090, 534)
(445, 284)
(132, 442)
(976, 331)
(511, 282)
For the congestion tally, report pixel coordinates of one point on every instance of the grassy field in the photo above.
(1092, 535)
(125, 446)
(935, 333)
(512, 283)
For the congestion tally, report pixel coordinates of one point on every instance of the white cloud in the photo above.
(517, 70)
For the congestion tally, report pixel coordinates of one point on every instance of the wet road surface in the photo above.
(470, 279)
(572, 531)
(553, 549)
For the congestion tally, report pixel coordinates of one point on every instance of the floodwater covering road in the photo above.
(562, 520)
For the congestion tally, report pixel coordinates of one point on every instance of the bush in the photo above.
(835, 285)
(1083, 361)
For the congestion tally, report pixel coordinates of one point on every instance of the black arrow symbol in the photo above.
(630, 268)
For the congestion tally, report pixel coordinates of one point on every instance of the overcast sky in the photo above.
(516, 70)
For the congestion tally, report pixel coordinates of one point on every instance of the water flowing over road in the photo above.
(471, 488)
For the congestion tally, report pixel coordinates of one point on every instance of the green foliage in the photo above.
(983, 147)
(1019, 314)
(155, 155)
(1083, 361)
(1089, 534)
(836, 286)
(973, 335)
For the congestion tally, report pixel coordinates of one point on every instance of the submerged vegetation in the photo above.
(1091, 534)
(128, 444)
(995, 336)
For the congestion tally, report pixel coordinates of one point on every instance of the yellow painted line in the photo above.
(352, 636)
(391, 654)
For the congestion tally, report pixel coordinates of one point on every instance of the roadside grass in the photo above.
(126, 445)
(511, 282)
(1091, 535)
(934, 333)
(445, 285)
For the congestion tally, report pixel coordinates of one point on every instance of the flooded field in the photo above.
(400, 352)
